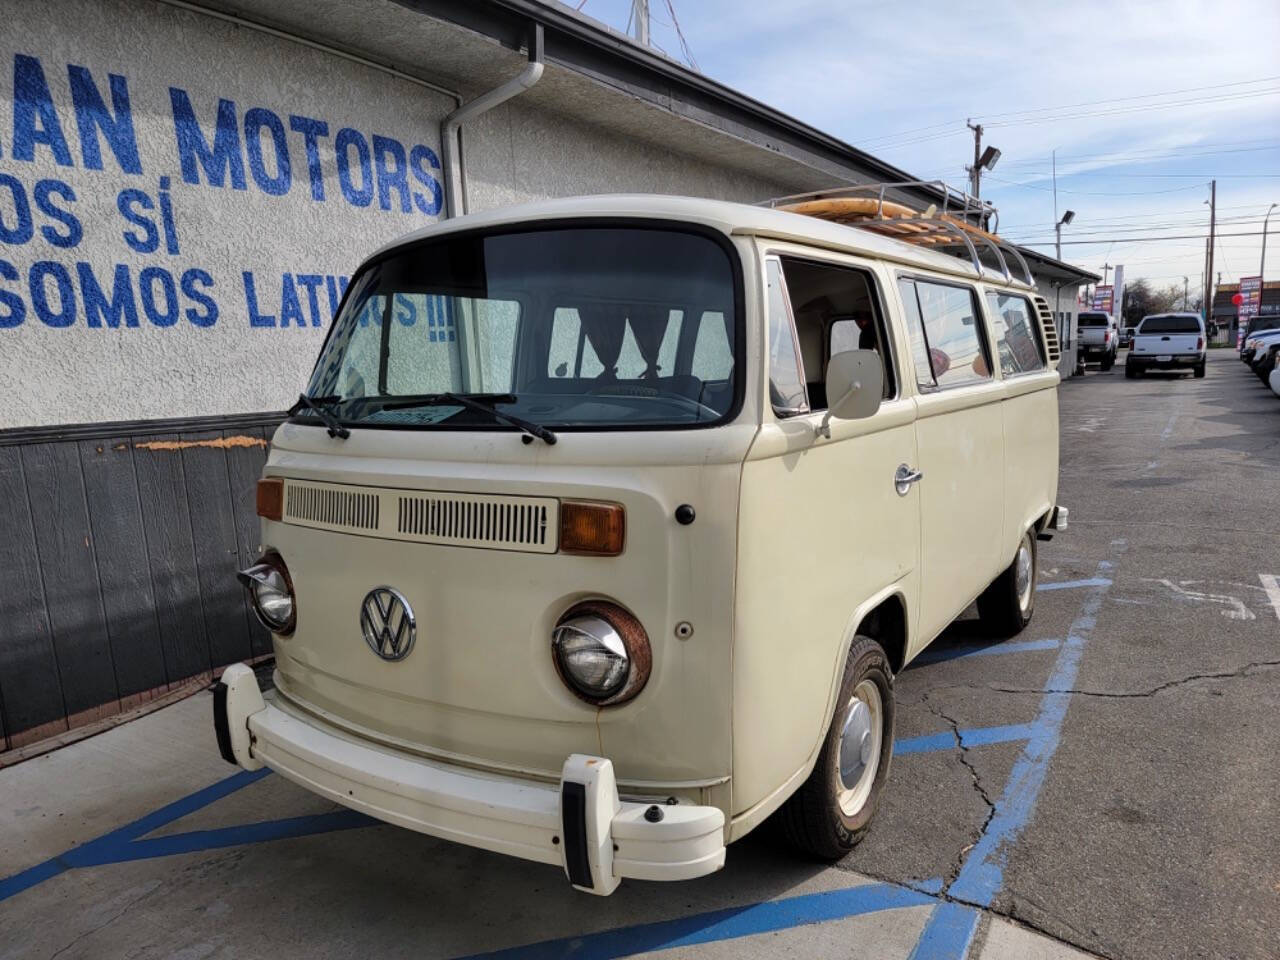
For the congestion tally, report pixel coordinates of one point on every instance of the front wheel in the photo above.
(1006, 606)
(832, 810)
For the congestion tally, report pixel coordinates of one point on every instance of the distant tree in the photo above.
(1141, 299)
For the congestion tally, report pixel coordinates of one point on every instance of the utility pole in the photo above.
(1106, 269)
(640, 17)
(1213, 223)
(1184, 293)
(1262, 264)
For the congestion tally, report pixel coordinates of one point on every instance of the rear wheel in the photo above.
(1130, 371)
(832, 810)
(1006, 606)
(1199, 372)
(1108, 362)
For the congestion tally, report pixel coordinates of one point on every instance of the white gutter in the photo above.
(450, 142)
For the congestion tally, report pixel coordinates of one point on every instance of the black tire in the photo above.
(1108, 362)
(1130, 372)
(1003, 609)
(1199, 372)
(812, 820)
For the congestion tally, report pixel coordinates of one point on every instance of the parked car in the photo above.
(1168, 341)
(1257, 326)
(1254, 349)
(605, 524)
(1126, 336)
(1098, 338)
(1273, 378)
(1264, 360)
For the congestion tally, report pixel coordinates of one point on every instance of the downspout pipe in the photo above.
(450, 143)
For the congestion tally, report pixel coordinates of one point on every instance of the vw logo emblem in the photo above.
(387, 622)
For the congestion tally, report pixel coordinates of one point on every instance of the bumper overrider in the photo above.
(579, 824)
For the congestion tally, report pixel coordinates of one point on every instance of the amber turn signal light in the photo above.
(271, 498)
(592, 529)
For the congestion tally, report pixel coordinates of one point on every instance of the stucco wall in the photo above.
(143, 275)
(1062, 301)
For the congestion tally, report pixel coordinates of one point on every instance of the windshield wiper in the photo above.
(481, 402)
(320, 406)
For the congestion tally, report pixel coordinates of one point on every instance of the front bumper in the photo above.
(579, 824)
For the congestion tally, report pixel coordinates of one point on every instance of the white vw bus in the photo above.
(605, 524)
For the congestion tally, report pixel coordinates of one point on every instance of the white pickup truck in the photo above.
(1099, 338)
(1167, 341)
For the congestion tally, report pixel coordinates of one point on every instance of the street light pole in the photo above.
(1057, 229)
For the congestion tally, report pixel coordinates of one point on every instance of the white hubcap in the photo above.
(1022, 578)
(860, 742)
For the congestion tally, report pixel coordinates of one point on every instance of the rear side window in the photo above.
(1094, 320)
(951, 351)
(1170, 325)
(1017, 343)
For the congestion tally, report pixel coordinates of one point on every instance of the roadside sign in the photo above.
(1102, 297)
(1250, 304)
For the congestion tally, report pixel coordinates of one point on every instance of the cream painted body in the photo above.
(797, 537)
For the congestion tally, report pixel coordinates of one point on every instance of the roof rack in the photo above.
(957, 226)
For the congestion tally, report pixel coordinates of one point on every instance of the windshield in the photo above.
(1170, 325)
(1094, 320)
(1259, 324)
(564, 327)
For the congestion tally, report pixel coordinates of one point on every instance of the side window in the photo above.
(915, 329)
(1017, 340)
(570, 353)
(835, 309)
(952, 334)
(786, 380)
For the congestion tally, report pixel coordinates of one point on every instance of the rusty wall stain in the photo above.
(220, 442)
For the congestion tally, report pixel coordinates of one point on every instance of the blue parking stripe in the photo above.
(105, 848)
(1074, 584)
(981, 877)
(727, 924)
(973, 737)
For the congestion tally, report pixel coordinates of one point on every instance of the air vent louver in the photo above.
(487, 521)
(1048, 329)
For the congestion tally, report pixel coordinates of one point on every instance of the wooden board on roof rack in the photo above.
(889, 218)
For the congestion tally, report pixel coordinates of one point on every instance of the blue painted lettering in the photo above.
(41, 271)
(149, 241)
(98, 307)
(147, 291)
(418, 156)
(346, 139)
(311, 131)
(256, 318)
(255, 122)
(34, 119)
(209, 316)
(290, 307)
(18, 228)
(166, 218)
(223, 160)
(336, 288)
(311, 282)
(393, 172)
(92, 116)
(15, 310)
(43, 193)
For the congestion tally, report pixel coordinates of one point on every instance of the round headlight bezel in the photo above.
(269, 573)
(618, 631)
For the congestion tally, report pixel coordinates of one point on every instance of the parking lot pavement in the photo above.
(1106, 781)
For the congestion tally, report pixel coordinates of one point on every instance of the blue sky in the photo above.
(899, 79)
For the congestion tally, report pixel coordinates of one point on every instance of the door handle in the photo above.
(904, 478)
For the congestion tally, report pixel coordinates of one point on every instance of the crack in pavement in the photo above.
(1121, 694)
(963, 756)
(151, 888)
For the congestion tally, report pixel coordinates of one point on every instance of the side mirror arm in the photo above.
(824, 428)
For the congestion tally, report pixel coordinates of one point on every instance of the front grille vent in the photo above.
(508, 521)
(332, 506)
(1049, 329)
(487, 521)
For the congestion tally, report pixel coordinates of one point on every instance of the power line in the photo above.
(1120, 111)
(1092, 193)
(1188, 236)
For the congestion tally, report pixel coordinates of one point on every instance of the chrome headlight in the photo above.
(601, 653)
(271, 592)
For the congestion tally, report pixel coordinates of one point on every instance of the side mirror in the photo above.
(855, 385)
